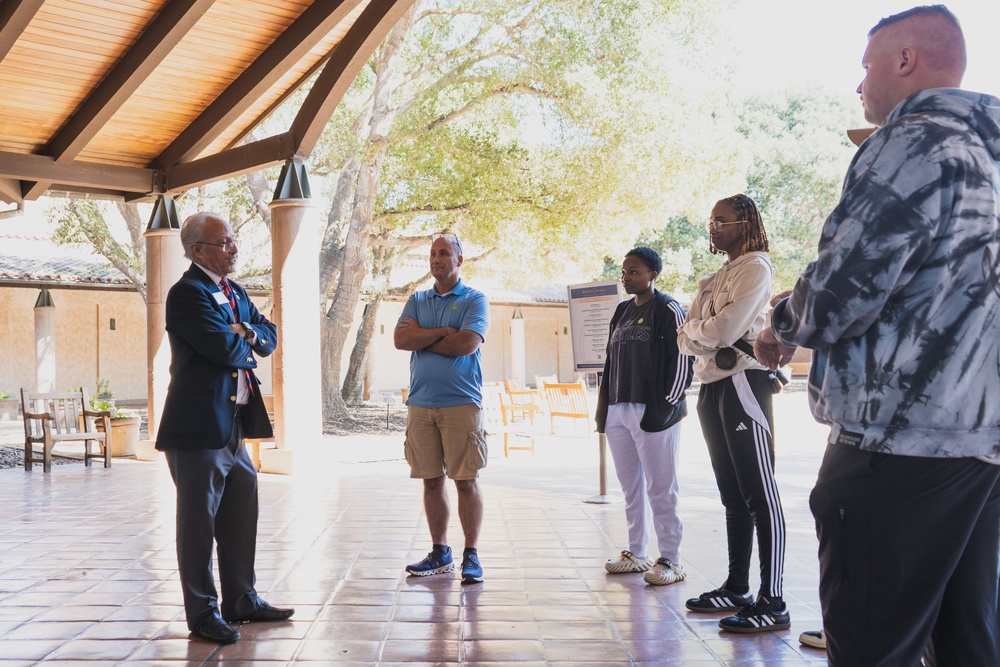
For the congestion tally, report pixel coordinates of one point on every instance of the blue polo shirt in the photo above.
(437, 381)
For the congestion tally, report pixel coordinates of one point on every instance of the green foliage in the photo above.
(88, 222)
(104, 389)
(521, 125)
(102, 405)
(792, 152)
(800, 154)
(4, 394)
(683, 247)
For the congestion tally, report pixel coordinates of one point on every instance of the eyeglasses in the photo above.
(453, 239)
(717, 224)
(227, 246)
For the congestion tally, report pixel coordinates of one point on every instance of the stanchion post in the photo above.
(602, 449)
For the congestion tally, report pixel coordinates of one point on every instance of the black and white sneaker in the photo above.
(762, 616)
(721, 599)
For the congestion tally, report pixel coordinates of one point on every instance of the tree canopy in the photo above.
(550, 136)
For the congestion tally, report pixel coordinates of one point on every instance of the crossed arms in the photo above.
(446, 341)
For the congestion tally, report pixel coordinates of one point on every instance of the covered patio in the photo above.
(88, 572)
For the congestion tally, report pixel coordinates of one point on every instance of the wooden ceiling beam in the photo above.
(230, 163)
(10, 191)
(344, 63)
(291, 46)
(15, 15)
(152, 46)
(79, 174)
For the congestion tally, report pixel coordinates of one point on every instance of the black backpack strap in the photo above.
(747, 349)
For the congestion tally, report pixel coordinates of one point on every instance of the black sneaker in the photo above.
(761, 616)
(721, 599)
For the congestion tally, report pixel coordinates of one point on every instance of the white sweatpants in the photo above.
(646, 464)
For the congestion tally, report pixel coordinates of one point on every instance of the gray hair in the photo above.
(192, 228)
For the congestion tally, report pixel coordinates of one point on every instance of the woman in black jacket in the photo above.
(640, 405)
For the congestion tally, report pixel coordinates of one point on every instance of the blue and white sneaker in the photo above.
(472, 571)
(435, 563)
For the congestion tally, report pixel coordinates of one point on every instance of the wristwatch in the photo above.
(248, 336)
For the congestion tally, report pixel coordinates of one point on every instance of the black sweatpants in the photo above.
(908, 552)
(737, 421)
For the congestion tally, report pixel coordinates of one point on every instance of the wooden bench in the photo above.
(566, 399)
(63, 417)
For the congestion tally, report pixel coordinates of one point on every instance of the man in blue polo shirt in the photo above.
(443, 328)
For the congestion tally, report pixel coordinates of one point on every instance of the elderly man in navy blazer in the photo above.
(212, 403)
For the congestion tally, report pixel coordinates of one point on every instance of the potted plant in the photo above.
(8, 406)
(105, 392)
(124, 436)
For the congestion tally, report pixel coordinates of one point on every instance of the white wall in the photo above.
(87, 348)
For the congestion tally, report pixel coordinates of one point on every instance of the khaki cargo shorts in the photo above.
(448, 441)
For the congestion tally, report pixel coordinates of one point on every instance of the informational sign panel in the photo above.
(591, 306)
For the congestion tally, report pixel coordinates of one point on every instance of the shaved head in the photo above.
(936, 32)
(908, 52)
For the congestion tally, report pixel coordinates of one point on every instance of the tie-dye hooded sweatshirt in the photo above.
(902, 304)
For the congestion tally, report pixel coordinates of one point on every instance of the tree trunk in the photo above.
(354, 265)
(352, 274)
(354, 381)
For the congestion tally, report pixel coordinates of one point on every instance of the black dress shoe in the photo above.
(214, 629)
(264, 612)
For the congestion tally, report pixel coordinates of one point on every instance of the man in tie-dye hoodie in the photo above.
(902, 310)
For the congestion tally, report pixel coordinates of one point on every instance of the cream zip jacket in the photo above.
(731, 304)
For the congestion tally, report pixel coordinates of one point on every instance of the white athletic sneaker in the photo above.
(663, 573)
(627, 563)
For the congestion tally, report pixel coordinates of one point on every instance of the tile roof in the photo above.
(39, 259)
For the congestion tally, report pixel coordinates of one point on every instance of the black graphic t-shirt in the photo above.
(630, 352)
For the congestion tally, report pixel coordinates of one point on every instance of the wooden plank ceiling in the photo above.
(136, 98)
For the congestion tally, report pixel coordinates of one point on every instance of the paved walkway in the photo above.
(88, 572)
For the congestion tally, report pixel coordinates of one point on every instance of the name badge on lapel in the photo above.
(221, 299)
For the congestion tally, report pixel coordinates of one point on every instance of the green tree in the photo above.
(792, 151)
(800, 153)
(85, 221)
(512, 124)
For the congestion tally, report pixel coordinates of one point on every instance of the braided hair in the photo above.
(754, 234)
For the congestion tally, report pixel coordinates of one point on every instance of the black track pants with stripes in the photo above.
(737, 421)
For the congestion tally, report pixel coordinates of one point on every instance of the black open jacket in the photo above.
(670, 371)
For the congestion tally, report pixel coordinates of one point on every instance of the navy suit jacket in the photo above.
(205, 360)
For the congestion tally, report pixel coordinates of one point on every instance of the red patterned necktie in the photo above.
(228, 292)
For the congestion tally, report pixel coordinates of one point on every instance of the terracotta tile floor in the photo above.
(87, 566)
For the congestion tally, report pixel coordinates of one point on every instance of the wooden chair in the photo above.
(540, 381)
(63, 417)
(499, 417)
(566, 399)
(254, 443)
(521, 399)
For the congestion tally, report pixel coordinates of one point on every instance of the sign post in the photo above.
(591, 306)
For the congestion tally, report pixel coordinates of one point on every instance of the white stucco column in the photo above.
(297, 380)
(165, 263)
(516, 342)
(45, 342)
